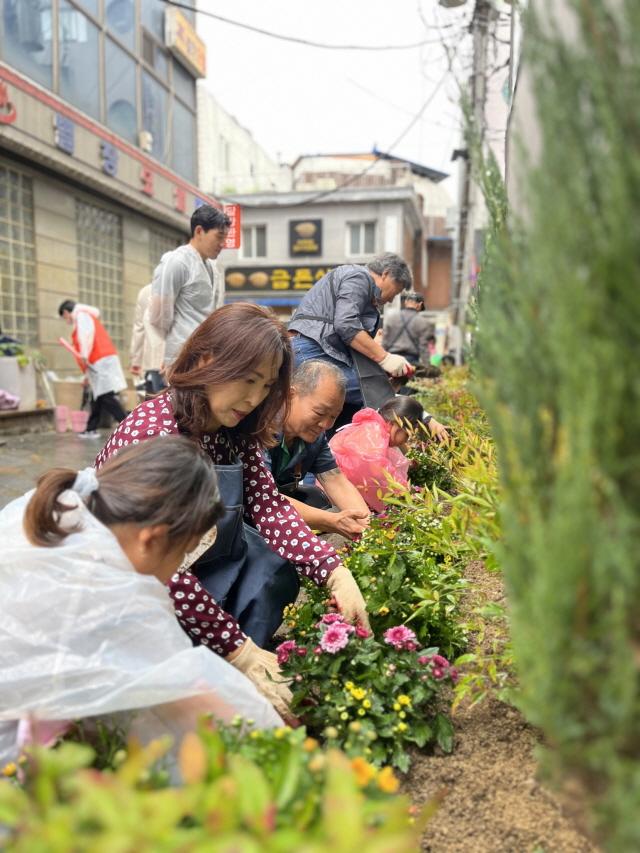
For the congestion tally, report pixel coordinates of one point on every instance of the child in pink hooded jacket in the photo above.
(368, 449)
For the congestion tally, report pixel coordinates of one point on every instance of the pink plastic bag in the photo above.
(363, 455)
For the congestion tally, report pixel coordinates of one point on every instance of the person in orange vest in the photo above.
(98, 359)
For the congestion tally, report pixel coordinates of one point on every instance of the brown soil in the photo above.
(491, 798)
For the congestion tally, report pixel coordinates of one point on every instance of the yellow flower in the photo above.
(254, 734)
(383, 611)
(344, 716)
(10, 769)
(361, 712)
(402, 715)
(354, 726)
(387, 782)
(364, 772)
(331, 732)
(402, 727)
(349, 685)
(358, 693)
(404, 699)
(397, 706)
(280, 733)
(366, 703)
(309, 744)
(317, 763)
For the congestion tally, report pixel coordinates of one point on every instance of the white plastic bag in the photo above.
(82, 634)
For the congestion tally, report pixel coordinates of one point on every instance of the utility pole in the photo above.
(468, 190)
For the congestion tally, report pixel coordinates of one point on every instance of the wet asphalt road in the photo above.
(24, 457)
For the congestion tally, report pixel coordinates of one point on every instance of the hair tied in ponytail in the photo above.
(85, 483)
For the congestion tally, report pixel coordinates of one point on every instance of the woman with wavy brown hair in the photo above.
(228, 390)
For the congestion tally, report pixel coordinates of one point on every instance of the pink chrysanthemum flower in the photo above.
(330, 618)
(284, 650)
(400, 637)
(334, 638)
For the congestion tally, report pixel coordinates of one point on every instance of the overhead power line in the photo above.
(378, 156)
(295, 39)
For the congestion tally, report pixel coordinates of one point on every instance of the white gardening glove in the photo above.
(396, 365)
(348, 596)
(255, 663)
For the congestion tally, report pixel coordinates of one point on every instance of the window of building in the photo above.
(183, 155)
(18, 303)
(153, 17)
(120, 17)
(155, 56)
(161, 242)
(155, 103)
(120, 84)
(27, 42)
(184, 85)
(100, 265)
(127, 81)
(79, 59)
(361, 238)
(254, 241)
(225, 155)
(90, 5)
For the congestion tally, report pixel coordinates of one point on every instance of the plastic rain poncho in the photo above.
(82, 634)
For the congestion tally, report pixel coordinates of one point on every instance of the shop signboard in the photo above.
(183, 41)
(248, 280)
(235, 229)
(305, 237)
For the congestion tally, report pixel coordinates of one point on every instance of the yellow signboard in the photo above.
(183, 41)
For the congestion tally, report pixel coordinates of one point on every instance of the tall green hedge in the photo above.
(559, 358)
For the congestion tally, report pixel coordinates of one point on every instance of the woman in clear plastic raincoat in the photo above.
(87, 628)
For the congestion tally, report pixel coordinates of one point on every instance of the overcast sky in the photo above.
(297, 99)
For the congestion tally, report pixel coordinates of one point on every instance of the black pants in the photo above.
(108, 402)
(310, 495)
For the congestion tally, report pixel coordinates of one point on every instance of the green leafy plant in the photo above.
(559, 311)
(374, 698)
(301, 798)
(488, 669)
(431, 466)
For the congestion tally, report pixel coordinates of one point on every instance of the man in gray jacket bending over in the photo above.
(186, 285)
(341, 313)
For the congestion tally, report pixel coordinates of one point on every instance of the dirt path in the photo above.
(492, 801)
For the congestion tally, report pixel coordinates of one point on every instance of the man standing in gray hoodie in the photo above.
(186, 285)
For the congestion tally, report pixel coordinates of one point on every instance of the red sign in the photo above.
(146, 179)
(235, 230)
(8, 112)
(179, 199)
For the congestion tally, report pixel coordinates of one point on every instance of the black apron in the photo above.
(374, 382)
(246, 578)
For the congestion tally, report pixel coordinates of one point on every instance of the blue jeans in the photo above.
(305, 349)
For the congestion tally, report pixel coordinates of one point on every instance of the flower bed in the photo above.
(371, 697)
